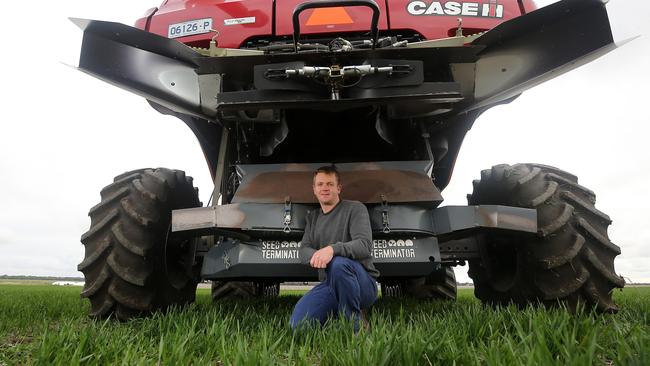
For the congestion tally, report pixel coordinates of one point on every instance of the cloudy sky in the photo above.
(64, 135)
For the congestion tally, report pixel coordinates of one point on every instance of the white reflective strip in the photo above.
(235, 21)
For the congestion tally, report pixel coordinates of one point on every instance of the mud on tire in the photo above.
(569, 261)
(131, 266)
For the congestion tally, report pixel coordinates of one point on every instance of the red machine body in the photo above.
(238, 22)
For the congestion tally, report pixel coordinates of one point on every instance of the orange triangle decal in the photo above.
(329, 16)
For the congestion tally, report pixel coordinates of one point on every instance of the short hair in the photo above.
(329, 170)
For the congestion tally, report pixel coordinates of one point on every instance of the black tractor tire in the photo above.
(571, 259)
(439, 285)
(132, 265)
(230, 290)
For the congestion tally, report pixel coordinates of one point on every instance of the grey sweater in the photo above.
(346, 228)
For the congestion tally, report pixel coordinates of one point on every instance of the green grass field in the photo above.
(48, 325)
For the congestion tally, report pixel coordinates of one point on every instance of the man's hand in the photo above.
(322, 257)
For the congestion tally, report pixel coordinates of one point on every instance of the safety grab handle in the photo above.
(374, 27)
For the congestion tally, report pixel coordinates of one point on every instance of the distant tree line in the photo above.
(41, 278)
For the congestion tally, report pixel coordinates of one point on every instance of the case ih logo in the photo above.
(491, 9)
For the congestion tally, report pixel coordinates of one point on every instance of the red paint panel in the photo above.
(439, 19)
(232, 36)
(430, 24)
(141, 23)
(361, 17)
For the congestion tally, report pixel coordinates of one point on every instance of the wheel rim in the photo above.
(503, 266)
(178, 259)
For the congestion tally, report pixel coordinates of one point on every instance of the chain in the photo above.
(287, 215)
(384, 215)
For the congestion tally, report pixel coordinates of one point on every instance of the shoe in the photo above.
(365, 324)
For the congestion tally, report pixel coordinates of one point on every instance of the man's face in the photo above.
(326, 188)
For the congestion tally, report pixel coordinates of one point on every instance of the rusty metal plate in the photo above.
(398, 182)
(451, 219)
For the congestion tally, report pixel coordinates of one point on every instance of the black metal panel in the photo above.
(541, 45)
(279, 259)
(548, 17)
(353, 98)
(441, 92)
(404, 256)
(236, 260)
(458, 250)
(167, 81)
(260, 218)
(139, 39)
(403, 219)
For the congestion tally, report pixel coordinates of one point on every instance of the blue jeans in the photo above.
(347, 289)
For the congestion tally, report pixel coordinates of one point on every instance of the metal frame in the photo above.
(418, 239)
(263, 219)
(179, 81)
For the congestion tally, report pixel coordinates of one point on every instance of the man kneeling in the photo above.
(337, 241)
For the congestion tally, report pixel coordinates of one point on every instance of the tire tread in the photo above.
(572, 256)
(124, 261)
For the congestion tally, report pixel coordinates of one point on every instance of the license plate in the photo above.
(189, 28)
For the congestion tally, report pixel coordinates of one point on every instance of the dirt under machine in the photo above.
(386, 91)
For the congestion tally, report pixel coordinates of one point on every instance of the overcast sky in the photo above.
(65, 135)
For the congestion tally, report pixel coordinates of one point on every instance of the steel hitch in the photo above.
(337, 77)
(336, 71)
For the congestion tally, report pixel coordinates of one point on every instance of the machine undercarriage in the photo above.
(390, 109)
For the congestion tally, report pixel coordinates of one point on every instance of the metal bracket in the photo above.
(287, 215)
(221, 166)
(384, 215)
(450, 219)
(226, 261)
